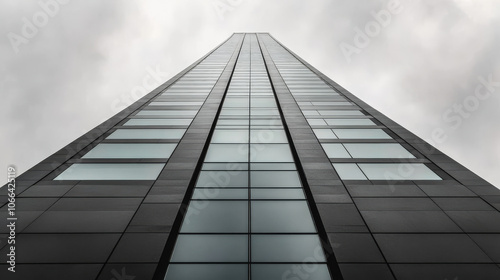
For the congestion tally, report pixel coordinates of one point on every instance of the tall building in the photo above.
(251, 164)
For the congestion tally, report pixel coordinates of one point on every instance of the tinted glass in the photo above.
(349, 122)
(210, 248)
(266, 179)
(263, 102)
(207, 271)
(191, 113)
(268, 136)
(216, 216)
(215, 193)
(176, 103)
(270, 153)
(230, 136)
(349, 171)
(361, 134)
(136, 150)
(281, 216)
(285, 248)
(340, 113)
(272, 166)
(222, 179)
(277, 194)
(377, 150)
(111, 171)
(289, 271)
(335, 150)
(136, 122)
(227, 153)
(316, 121)
(398, 171)
(147, 134)
(324, 133)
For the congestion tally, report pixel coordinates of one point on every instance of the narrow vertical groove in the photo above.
(249, 165)
(333, 266)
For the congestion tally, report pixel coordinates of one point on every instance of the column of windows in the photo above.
(248, 217)
(347, 133)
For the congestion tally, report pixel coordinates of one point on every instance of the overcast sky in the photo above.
(65, 68)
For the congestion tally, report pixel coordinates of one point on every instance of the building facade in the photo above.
(251, 164)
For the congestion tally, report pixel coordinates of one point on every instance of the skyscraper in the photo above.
(251, 164)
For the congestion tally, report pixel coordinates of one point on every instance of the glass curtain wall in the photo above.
(248, 217)
(346, 132)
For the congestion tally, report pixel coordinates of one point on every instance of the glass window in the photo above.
(111, 171)
(222, 179)
(340, 113)
(310, 113)
(178, 271)
(349, 122)
(210, 248)
(309, 92)
(272, 166)
(167, 113)
(147, 134)
(266, 122)
(234, 112)
(268, 136)
(135, 122)
(190, 92)
(271, 179)
(288, 271)
(316, 122)
(216, 216)
(349, 171)
(227, 153)
(235, 92)
(398, 171)
(278, 194)
(176, 103)
(229, 166)
(261, 112)
(377, 150)
(128, 150)
(335, 150)
(281, 216)
(230, 136)
(324, 133)
(263, 102)
(239, 127)
(361, 134)
(270, 153)
(331, 103)
(232, 122)
(215, 193)
(236, 102)
(285, 248)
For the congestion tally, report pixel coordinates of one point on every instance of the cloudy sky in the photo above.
(432, 66)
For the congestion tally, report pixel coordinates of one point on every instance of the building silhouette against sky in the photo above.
(251, 164)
